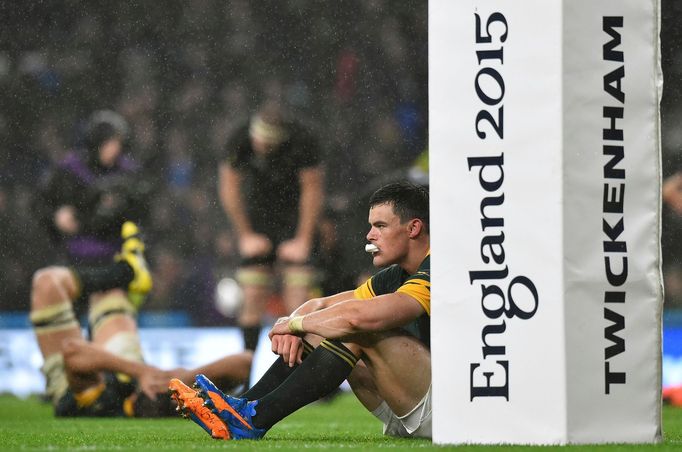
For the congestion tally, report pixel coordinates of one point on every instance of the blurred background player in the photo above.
(85, 203)
(148, 397)
(111, 323)
(88, 195)
(107, 375)
(271, 187)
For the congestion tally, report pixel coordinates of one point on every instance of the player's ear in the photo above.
(414, 227)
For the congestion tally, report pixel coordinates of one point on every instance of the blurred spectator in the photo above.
(15, 261)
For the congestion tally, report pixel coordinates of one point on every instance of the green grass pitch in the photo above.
(340, 425)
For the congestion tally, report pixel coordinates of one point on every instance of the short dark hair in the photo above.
(408, 200)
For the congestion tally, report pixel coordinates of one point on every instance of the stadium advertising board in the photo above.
(545, 189)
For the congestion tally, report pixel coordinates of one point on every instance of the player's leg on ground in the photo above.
(256, 283)
(400, 369)
(319, 374)
(298, 280)
(54, 321)
(113, 327)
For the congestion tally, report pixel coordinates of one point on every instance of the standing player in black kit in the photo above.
(271, 187)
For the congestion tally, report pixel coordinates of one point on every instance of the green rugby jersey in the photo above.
(418, 286)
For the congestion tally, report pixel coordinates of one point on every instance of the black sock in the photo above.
(98, 279)
(274, 376)
(322, 372)
(251, 335)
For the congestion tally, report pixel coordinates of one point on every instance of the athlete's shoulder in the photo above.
(391, 270)
(388, 279)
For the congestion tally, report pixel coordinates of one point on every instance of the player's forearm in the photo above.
(96, 359)
(346, 318)
(231, 200)
(310, 203)
(134, 369)
(337, 321)
(234, 208)
(235, 367)
(317, 304)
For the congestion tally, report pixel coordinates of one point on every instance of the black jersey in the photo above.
(418, 286)
(270, 184)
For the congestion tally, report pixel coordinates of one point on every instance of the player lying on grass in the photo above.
(150, 396)
(377, 337)
(96, 378)
(111, 323)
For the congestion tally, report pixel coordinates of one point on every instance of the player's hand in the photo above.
(289, 347)
(153, 381)
(281, 326)
(672, 192)
(66, 221)
(253, 244)
(295, 251)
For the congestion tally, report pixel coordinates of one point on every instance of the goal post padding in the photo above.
(545, 204)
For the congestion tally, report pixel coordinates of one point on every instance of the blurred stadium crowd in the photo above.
(184, 73)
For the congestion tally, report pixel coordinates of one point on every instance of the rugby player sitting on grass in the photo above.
(376, 336)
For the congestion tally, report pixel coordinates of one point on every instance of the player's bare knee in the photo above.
(51, 285)
(42, 282)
